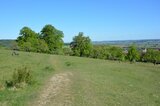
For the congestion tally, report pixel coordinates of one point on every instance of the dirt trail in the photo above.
(56, 92)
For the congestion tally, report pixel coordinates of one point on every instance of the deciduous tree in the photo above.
(133, 54)
(52, 37)
(81, 45)
(28, 39)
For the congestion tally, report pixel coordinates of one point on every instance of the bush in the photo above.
(133, 54)
(67, 51)
(49, 68)
(100, 52)
(152, 56)
(68, 63)
(21, 76)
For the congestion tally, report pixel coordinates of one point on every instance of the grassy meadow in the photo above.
(94, 82)
(37, 63)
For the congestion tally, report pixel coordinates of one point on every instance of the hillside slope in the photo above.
(80, 81)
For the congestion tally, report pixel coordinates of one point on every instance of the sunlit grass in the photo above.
(37, 64)
(94, 82)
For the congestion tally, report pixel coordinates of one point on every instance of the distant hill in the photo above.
(149, 43)
(7, 43)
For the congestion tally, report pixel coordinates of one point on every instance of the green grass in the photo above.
(94, 82)
(110, 83)
(36, 62)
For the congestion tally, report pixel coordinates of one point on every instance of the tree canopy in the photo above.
(81, 45)
(28, 39)
(52, 37)
(152, 56)
(49, 40)
(133, 54)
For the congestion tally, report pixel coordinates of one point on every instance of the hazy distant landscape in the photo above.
(149, 43)
(6, 43)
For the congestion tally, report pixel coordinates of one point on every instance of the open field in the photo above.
(36, 62)
(79, 81)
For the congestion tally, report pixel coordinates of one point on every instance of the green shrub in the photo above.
(21, 77)
(152, 56)
(49, 68)
(67, 51)
(68, 63)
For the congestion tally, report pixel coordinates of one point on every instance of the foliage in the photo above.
(52, 37)
(67, 63)
(107, 52)
(28, 39)
(48, 41)
(49, 68)
(99, 51)
(20, 76)
(42, 46)
(67, 51)
(81, 45)
(152, 56)
(133, 54)
(116, 53)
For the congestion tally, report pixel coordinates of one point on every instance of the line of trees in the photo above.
(49, 40)
(151, 56)
(83, 47)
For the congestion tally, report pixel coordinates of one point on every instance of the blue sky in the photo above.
(99, 19)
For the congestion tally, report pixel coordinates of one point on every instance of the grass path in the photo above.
(55, 91)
